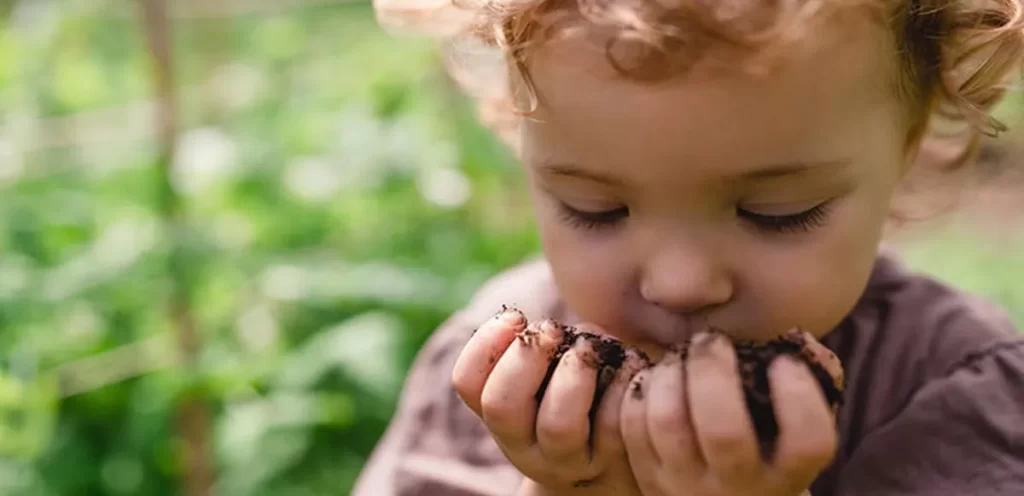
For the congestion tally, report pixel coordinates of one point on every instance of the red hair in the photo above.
(955, 56)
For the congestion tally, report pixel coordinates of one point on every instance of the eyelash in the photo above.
(592, 220)
(807, 220)
(799, 222)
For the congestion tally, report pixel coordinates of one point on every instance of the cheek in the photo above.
(590, 270)
(815, 283)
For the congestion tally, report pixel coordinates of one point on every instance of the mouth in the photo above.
(656, 341)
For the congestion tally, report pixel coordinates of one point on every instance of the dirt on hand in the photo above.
(753, 360)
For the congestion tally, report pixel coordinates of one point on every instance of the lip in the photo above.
(655, 344)
(669, 336)
(653, 334)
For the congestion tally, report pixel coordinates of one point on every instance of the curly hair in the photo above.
(955, 56)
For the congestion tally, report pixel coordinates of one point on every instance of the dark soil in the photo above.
(610, 357)
(753, 358)
(753, 363)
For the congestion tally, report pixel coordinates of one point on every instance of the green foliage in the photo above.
(332, 222)
(340, 203)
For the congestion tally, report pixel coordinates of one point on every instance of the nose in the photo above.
(686, 280)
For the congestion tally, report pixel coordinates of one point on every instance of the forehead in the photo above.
(815, 101)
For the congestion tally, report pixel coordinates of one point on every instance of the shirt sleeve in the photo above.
(961, 434)
(435, 445)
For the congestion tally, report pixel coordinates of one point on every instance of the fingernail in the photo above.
(795, 335)
(636, 356)
(636, 386)
(671, 358)
(510, 315)
(703, 343)
(587, 352)
(635, 361)
(551, 327)
(530, 335)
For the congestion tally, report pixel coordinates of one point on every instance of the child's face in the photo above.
(751, 204)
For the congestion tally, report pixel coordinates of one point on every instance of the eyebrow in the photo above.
(568, 170)
(774, 171)
(793, 169)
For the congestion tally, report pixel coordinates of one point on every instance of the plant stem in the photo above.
(192, 416)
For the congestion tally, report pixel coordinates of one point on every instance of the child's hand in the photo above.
(553, 442)
(688, 432)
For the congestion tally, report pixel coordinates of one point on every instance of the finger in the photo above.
(607, 437)
(807, 432)
(718, 410)
(636, 437)
(509, 399)
(668, 418)
(481, 353)
(820, 354)
(563, 424)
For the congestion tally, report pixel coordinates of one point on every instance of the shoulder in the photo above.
(960, 433)
(528, 286)
(928, 318)
(909, 328)
(935, 380)
(434, 444)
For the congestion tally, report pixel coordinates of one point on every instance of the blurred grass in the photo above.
(341, 202)
(975, 260)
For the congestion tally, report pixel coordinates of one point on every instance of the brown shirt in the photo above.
(934, 405)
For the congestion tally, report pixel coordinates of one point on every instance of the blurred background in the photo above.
(228, 226)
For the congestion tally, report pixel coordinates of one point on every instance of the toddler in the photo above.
(728, 164)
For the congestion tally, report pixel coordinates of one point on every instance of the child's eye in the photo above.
(798, 222)
(592, 220)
